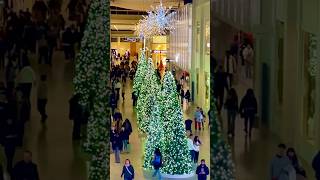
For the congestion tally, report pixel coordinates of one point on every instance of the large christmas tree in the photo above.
(177, 160)
(141, 72)
(149, 88)
(92, 84)
(155, 138)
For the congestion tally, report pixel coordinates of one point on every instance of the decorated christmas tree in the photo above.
(92, 84)
(155, 138)
(142, 70)
(149, 88)
(221, 163)
(177, 160)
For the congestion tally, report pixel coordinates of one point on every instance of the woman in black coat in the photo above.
(248, 110)
(232, 107)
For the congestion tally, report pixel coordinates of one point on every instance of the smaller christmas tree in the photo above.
(177, 160)
(155, 138)
(148, 90)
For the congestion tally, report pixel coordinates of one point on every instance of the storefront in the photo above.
(200, 64)
(159, 47)
(126, 44)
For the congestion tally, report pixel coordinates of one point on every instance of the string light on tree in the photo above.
(176, 153)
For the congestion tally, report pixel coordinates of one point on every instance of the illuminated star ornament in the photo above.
(158, 22)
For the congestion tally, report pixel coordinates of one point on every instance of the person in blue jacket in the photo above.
(127, 171)
(202, 170)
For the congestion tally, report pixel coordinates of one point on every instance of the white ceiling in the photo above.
(144, 5)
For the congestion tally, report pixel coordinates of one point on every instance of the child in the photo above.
(42, 97)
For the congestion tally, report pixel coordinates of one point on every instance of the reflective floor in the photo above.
(59, 158)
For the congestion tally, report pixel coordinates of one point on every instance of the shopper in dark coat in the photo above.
(157, 163)
(76, 114)
(248, 110)
(9, 142)
(117, 146)
(26, 169)
(202, 170)
(220, 85)
(231, 106)
(295, 162)
(127, 171)
(127, 127)
(316, 165)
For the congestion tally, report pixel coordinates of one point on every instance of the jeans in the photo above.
(191, 154)
(248, 119)
(231, 121)
(196, 156)
(157, 172)
(125, 145)
(117, 155)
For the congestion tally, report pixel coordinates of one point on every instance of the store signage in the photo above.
(159, 51)
(132, 39)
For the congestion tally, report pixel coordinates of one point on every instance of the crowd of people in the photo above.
(23, 35)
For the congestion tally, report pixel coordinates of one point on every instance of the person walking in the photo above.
(316, 165)
(202, 170)
(196, 148)
(248, 56)
(220, 85)
(188, 124)
(9, 142)
(127, 170)
(42, 98)
(190, 146)
(280, 165)
(124, 136)
(157, 163)
(43, 50)
(203, 118)
(26, 169)
(127, 127)
(76, 114)
(248, 110)
(230, 66)
(198, 119)
(295, 163)
(117, 145)
(25, 80)
(232, 109)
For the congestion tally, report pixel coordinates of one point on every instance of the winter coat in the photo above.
(248, 106)
(316, 165)
(202, 172)
(126, 174)
(281, 168)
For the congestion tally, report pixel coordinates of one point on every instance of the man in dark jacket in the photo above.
(248, 110)
(220, 85)
(9, 142)
(76, 114)
(202, 170)
(26, 169)
(316, 165)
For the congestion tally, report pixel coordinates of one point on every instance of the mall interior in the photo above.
(282, 69)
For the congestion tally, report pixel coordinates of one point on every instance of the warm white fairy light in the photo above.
(158, 22)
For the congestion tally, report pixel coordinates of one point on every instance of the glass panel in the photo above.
(310, 89)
